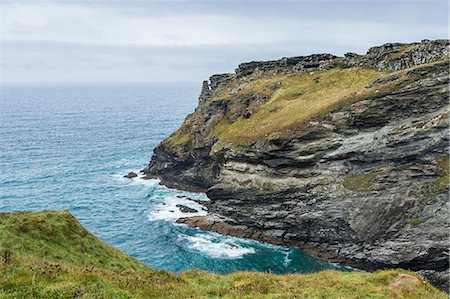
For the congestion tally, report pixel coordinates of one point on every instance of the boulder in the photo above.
(186, 209)
(130, 175)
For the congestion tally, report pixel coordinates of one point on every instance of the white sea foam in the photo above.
(137, 180)
(164, 206)
(140, 181)
(168, 210)
(286, 260)
(225, 248)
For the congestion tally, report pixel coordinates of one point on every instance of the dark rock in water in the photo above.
(186, 209)
(204, 203)
(364, 183)
(181, 196)
(130, 175)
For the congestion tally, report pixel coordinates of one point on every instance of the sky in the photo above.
(187, 41)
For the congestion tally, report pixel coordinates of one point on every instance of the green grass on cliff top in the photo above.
(50, 255)
(302, 97)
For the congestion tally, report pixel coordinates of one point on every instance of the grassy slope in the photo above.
(50, 255)
(298, 99)
(301, 97)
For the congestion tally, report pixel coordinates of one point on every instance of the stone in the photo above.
(130, 175)
(186, 209)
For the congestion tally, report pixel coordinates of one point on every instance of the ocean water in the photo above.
(67, 147)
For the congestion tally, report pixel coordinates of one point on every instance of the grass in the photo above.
(293, 100)
(359, 182)
(179, 137)
(266, 186)
(416, 222)
(443, 182)
(300, 98)
(50, 255)
(443, 163)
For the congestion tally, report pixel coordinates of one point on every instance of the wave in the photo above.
(225, 248)
(287, 260)
(136, 181)
(169, 211)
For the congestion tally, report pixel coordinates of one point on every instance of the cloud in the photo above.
(188, 41)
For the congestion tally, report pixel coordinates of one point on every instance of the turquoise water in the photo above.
(67, 147)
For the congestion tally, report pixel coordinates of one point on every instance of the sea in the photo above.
(68, 147)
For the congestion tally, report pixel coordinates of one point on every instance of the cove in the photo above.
(68, 147)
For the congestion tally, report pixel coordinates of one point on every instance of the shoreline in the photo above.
(214, 224)
(218, 224)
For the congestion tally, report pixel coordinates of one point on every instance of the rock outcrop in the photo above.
(130, 175)
(347, 157)
(186, 209)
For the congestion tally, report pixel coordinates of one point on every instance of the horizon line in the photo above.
(96, 82)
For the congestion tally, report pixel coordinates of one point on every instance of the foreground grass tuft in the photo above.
(50, 255)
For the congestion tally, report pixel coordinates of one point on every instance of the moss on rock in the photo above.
(359, 182)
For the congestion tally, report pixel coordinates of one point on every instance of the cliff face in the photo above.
(344, 156)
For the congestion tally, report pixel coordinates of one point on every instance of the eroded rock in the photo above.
(186, 209)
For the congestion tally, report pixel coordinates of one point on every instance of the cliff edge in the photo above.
(347, 157)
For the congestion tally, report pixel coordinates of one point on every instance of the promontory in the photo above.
(346, 157)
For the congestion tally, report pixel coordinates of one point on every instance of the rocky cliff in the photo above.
(346, 157)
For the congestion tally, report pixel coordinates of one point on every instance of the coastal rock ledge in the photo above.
(346, 157)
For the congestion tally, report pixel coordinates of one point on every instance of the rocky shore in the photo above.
(346, 157)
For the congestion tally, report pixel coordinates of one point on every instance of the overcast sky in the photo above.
(184, 41)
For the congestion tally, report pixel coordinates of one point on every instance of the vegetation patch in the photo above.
(300, 98)
(416, 222)
(280, 104)
(443, 163)
(443, 182)
(266, 186)
(179, 137)
(359, 182)
(53, 256)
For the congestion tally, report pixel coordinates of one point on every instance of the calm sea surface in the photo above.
(67, 147)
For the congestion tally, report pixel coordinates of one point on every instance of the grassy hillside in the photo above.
(50, 255)
(291, 101)
(299, 98)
